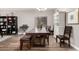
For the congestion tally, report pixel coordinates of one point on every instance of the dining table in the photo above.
(34, 33)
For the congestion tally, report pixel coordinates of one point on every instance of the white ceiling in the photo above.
(34, 9)
(66, 9)
(24, 9)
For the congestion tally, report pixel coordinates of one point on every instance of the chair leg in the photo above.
(56, 39)
(69, 43)
(63, 42)
(21, 45)
(44, 41)
(40, 40)
(29, 44)
(60, 42)
(48, 40)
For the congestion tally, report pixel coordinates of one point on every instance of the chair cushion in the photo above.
(60, 36)
(66, 35)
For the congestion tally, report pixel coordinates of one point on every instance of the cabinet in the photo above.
(8, 25)
(59, 23)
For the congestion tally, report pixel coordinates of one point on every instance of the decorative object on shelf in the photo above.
(73, 17)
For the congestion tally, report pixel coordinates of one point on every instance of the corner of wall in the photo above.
(75, 47)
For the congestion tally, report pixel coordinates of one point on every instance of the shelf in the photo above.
(8, 25)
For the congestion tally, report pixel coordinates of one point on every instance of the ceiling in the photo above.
(36, 9)
(24, 9)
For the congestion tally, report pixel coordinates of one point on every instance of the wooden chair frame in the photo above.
(66, 36)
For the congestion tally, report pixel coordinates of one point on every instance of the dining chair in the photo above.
(25, 39)
(66, 36)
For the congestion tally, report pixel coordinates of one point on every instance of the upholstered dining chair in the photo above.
(25, 39)
(66, 36)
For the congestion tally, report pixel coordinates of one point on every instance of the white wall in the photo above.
(75, 34)
(28, 16)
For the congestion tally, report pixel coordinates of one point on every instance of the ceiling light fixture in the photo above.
(41, 9)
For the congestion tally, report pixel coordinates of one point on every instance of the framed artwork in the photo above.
(41, 21)
(73, 17)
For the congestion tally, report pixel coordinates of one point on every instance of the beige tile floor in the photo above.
(12, 44)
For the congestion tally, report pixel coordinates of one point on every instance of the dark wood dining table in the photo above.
(34, 33)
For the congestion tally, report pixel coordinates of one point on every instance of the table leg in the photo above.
(21, 45)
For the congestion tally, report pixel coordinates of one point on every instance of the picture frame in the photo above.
(73, 17)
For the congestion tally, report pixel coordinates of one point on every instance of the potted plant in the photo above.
(24, 27)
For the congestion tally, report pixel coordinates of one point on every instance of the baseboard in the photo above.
(74, 46)
(77, 48)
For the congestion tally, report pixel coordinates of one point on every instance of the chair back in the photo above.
(67, 32)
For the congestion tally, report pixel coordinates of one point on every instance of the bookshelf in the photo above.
(8, 25)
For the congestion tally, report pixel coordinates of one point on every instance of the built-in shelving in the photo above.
(8, 25)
